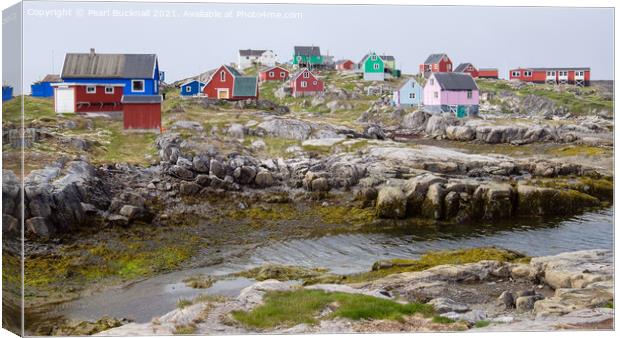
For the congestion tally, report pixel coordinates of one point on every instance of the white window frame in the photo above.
(91, 89)
(304, 84)
(272, 74)
(133, 82)
(299, 58)
(223, 76)
(412, 95)
(306, 75)
(314, 83)
(282, 74)
(373, 57)
(188, 89)
(516, 73)
(376, 66)
(108, 88)
(527, 73)
(156, 86)
(436, 95)
(470, 94)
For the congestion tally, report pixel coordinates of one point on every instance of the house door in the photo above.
(222, 93)
(461, 112)
(65, 100)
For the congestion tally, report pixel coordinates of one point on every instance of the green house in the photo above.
(307, 56)
(373, 67)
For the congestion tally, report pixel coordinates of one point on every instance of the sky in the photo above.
(192, 38)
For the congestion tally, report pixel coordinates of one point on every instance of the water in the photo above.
(347, 253)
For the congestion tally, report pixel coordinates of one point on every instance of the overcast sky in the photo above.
(189, 39)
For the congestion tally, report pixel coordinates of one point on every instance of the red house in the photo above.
(488, 73)
(345, 65)
(579, 76)
(227, 83)
(304, 83)
(276, 73)
(436, 63)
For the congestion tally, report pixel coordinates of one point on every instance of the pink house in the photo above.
(451, 92)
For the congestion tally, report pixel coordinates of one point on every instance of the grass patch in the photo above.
(581, 150)
(442, 320)
(282, 273)
(482, 323)
(124, 146)
(183, 303)
(432, 259)
(287, 309)
(34, 108)
(346, 215)
(199, 282)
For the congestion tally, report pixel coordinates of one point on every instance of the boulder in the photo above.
(236, 130)
(391, 203)
(460, 133)
(541, 201)
(494, 200)
(39, 226)
(9, 224)
(415, 120)
(507, 299)
(201, 163)
(130, 211)
(320, 184)
(415, 190)
(189, 188)
(203, 180)
(436, 125)
(433, 206)
(244, 174)
(181, 172)
(216, 168)
(264, 178)
(526, 303)
(286, 128)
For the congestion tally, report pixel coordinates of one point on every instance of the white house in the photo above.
(251, 57)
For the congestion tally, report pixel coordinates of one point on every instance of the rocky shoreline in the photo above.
(572, 290)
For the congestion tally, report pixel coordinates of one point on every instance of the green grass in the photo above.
(290, 308)
(34, 108)
(185, 329)
(442, 320)
(482, 323)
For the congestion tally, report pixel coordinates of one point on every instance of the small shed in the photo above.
(408, 95)
(7, 93)
(345, 65)
(142, 111)
(44, 87)
(191, 88)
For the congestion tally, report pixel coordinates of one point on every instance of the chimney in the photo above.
(92, 52)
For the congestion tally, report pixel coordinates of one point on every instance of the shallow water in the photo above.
(347, 253)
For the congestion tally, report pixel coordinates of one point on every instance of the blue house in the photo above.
(138, 73)
(7, 93)
(44, 87)
(408, 95)
(191, 88)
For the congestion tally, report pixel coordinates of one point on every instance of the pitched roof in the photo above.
(308, 50)
(245, 86)
(141, 99)
(96, 65)
(264, 69)
(339, 62)
(192, 81)
(367, 55)
(434, 58)
(461, 67)
(51, 78)
(388, 58)
(251, 52)
(299, 72)
(455, 81)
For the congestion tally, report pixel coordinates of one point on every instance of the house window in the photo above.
(376, 66)
(373, 58)
(223, 76)
(306, 75)
(432, 82)
(272, 74)
(109, 90)
(527, 73)
(449, 67)
(137, 85)
(412, 95)
(299, 58)
(188, 89)
(436, 94)
(304, 84)
(282, 75)
(516, 73)
(91, 89)
(155, 86)
(314, 83)
(469, 94)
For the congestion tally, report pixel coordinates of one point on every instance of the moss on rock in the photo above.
(540, 201)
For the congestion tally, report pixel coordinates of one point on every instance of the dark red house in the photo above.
(276, 73)
(579, 76)
(227, 83)
(142, 111)
(344, 65)
(436, 63)
(304, 83)
(488, 73)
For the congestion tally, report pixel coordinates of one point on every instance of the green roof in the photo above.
(245, 86)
